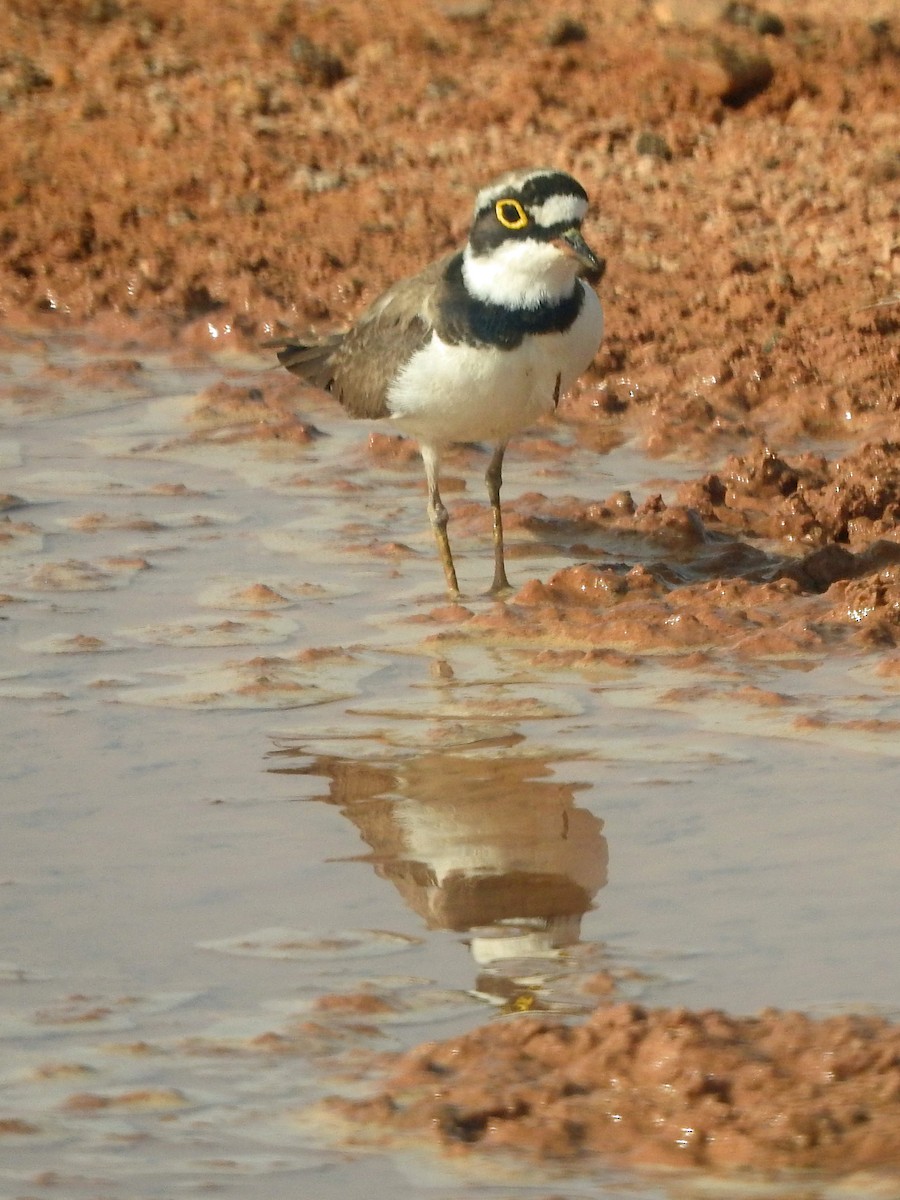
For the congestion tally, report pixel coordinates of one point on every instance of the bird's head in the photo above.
(525, 246)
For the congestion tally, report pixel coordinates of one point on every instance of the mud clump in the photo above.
(808, 499)
(701, 588)
(663, 1087)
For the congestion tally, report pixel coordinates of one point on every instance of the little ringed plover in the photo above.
(479, 344)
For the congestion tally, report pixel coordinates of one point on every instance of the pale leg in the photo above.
(494, 480)
(438, 516)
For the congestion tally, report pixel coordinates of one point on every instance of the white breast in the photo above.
(463, 393)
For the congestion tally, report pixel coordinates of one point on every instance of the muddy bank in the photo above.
(657, 1087)
(659, 580)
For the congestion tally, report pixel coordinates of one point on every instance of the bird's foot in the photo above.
(500, 587)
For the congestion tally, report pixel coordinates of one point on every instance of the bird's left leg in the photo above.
(494, 479)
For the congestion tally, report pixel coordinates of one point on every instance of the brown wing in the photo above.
(359, 366)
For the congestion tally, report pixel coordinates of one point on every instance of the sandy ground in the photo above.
(177, 180)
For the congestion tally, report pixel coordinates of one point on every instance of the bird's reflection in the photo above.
(491, 846)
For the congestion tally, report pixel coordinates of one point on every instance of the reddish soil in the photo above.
(173, 172)
(657, 1087)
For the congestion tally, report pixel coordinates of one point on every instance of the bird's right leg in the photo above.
(439, 517)
(494, 480)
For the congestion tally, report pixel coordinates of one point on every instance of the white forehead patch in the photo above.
(559, 210)
(511, 182)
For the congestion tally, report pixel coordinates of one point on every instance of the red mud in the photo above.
(662, 1087)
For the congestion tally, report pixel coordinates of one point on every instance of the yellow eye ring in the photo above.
(511, 214)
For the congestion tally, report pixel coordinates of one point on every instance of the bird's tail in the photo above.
(312, 360)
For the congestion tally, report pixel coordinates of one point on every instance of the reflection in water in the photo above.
(493, 846)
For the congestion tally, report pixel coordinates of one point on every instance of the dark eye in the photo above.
(511, 214)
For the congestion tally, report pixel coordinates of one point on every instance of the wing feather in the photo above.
(359, 365)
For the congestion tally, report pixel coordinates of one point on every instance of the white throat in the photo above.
(520, 274)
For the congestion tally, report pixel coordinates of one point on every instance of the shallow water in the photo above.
(244, 769)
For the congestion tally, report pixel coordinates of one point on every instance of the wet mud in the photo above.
(705, 549)
(658, 1087)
